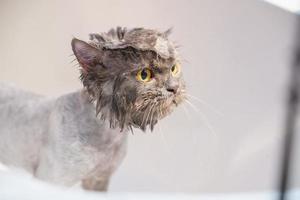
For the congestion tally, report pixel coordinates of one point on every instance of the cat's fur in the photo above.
(82, 136)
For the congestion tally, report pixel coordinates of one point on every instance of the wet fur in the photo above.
(82, 136)
(109, 75)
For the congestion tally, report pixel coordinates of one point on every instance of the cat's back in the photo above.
(19, 107)
(10, 93)
(16, 104)
(23, 117)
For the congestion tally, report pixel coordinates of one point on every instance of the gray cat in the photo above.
(131, 78)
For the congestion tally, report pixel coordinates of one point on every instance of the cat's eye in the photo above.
(144, 75)
(175, 69)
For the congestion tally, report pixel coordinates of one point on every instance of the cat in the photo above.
(131, 79)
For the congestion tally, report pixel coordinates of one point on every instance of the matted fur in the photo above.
(109, 75)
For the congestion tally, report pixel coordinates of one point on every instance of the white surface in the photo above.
(17, 185)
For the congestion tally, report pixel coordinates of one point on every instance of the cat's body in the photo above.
(60, 139)
(131, 78)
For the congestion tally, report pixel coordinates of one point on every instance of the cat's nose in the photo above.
(173, 87)
(172, 90)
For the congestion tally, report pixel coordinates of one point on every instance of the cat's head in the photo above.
(134, 76)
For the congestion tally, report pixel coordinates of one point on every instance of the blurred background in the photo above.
(236, 60)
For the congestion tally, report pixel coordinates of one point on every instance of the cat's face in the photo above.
(135, 77)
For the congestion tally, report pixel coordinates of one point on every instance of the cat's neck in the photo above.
(79, 112)
(86, 100)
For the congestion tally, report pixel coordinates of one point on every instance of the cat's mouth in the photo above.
(175, 99)
(149, 111)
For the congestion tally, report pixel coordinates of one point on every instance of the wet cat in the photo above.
(131, 78)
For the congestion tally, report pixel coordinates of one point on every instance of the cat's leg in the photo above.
(52, 169)
(96, 183)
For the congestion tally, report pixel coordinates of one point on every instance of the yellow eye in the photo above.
(175, 69)
(144, 75)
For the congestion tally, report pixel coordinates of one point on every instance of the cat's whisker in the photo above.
(148, 122)
(203, 118)
(145, 122)
(185, 60)
(194, 139)
(185, 111)
(151, 113)
(76, 65)
(192, 106)
(208, 124)
(151, 118)
(212, 108)
(145, 116)
(73, 60)
(160, 110)
(163, 139)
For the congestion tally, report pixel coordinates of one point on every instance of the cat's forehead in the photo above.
(146, 39)
(138, 38)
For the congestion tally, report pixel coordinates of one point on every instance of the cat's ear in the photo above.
(87, 55)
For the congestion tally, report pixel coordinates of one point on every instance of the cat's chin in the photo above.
(149, 116)
(144, 121)
(170, 106)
